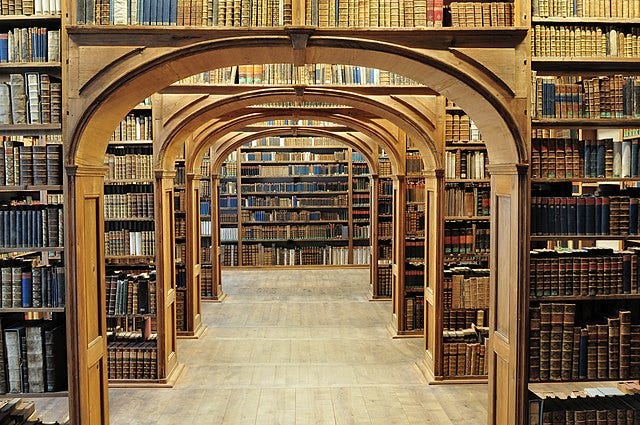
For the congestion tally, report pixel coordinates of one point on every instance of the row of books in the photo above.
(27, 164)
(460, 128)
(615, 410)
(385, 187)
(467, 200)
(205, 228)
(414, 250)
(361, 231)
(228, 169)
(287, 141)
(226, 217)
(585, 215)
(264, 255)
(295, 232)
(394, 13)
(360, 170)
(229, 255)
(294, 170)
(131, 294)
(384, 167)
(227, 187)
(179, 200)
(585, 272)
(128, 205)
(35, 7)
(292, 201)
(414, 221)
(460, 292)
(385, 207)
(562, 350)
(129, 360)
(464, 359)
(464, 319)
(413, 312)
(414, 163)
(125, 242)
(311, 74)
(31, 226)
(613, 96)
(287, 215)
(477, 14)
(415, 190)
(461, 164)
(24, 285)
(134, 127)
(584, 41)
(384, 281)
(414, 275)
(361, 199)
(336, 156)
(586, 8)
(385, 229)
(128, 166)
(206, 282)
(384, 252)
(180, 226)
(205, 209)
(229, 234)
(276, 187)
(36, 44)
(466, 237)
(31, 98)
(33, 358)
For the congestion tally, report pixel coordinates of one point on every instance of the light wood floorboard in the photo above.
(296, 347)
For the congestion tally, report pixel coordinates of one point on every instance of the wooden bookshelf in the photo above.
(326, 203)
(32, 263)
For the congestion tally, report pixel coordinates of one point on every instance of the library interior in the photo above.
(320, 211)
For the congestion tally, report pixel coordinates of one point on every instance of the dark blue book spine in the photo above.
(21, 228)
(633, 216)
(626, 273)
(6, 218)
(153, 12)
(146, 12)
(582, 368)
(563, 216)
(38, 227)
(60, 286)
(173, 12)
(600, 158)
(534, 216)
(587, 158)
(606, 212)
(589, 216)
(572, 216)
(44, 286)
(164, 14)
(634, 158)
(598, 216)
(27, 288)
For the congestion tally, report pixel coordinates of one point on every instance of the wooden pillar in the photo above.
(216, 261)
(193, 295)
(165, 272)
(397, 291)
(85, 304)
(508, 312)
(434, 247)
(373, 235)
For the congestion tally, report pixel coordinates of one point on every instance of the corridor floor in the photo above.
(299, 347)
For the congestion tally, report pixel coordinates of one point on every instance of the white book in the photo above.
(46, 10)
(33, 97)
(626, 158)
(53, 46)
(37, 7)
(617, 158)
(134, 12)
(119, 12)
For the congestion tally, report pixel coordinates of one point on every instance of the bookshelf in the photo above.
(461, 324)
(32, 273)
(382, 224)
(132, 287)
(180, 246)
(208, 291)
(582, 285)
(299, 201)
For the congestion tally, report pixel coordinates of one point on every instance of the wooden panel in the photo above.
(93, 306)
(504, 278)
(502, 381)
(96, 376)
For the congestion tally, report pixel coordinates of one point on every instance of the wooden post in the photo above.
(397, 295)
(508, 311)
(166, 285)
(87, 362)
(216, 261)
(373, 234)
(192, 300)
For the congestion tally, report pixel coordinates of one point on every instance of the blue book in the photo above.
(163, 13)
(154, 12)
(59, 288)
(146, 12)
(604, 216)
(598, 215)
(589, 215)
(173, 12)
(27, 288)
(633, 216)
(600, 158)
(582, 366)
(4, 48)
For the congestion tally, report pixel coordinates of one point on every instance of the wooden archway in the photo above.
(107, 76)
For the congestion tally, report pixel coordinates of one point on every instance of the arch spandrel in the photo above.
(209, 134)
(107, 97)
(405, 114)
(229, 142)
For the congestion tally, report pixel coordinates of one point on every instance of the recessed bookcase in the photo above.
(132, 290)
(382, 222)
(207, 289)
(583, 317)
(294, 201)
(180, 248)
(32, 277)
(462, 298)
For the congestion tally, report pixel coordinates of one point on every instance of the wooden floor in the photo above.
(299, 347)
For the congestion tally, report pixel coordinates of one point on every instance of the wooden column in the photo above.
(508, 312)
(166, 282)
(434, 247)
(373, 234)
(85, 303)
(216, 261)
(193, 295)
(397, 292)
